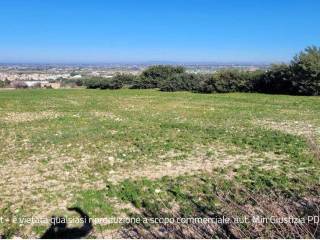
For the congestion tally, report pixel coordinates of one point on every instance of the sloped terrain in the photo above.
(149, 154)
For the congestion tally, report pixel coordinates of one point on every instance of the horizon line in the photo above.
(151, 62)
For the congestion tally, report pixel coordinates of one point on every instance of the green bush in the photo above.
(102, 83)
(300, 77)
(78, 82)
(181, 82)
(277, 80)
(92, 83)
(110, 83)
(228, 81)
(4, 83)
(305, 68)
(125, 79)
(153, 77)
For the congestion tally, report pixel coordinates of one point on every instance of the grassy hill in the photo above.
(145, 153)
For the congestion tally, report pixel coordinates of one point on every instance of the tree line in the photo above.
(300, 77)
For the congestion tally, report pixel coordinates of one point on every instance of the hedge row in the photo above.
(300, 77)
(102, 83)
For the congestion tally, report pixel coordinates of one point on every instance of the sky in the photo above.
(106, 31)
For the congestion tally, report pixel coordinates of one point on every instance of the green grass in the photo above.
(70, 143)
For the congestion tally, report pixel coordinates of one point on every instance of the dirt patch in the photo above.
(197, 161)
(292, 127)
(57, 177)
(43, 186)
(46, 183)
(16, 117)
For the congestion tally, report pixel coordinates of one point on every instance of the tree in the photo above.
(277, 80)
(306, 71)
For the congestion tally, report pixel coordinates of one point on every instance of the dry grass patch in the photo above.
(201, 159)
(108, 115)
(17, 117)
(42, 184)
(298, 128)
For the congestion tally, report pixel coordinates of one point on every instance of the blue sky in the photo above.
(98, 31)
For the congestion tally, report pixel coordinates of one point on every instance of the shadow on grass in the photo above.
(60, 230)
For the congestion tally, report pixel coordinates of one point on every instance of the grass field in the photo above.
(149, 153)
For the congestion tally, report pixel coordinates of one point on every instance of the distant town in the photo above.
(44, 73)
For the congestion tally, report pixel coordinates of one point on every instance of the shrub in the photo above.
(207, 85)
(181, 82)
(162, 71)
(7, 83)
(19, 84)
(102, 83)
(110, 83)
(92, 83)
(300, 77)
(229, 81)
(277, 80)
(125, 79)
(153, 77)
(145, 83)
(78, 82)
